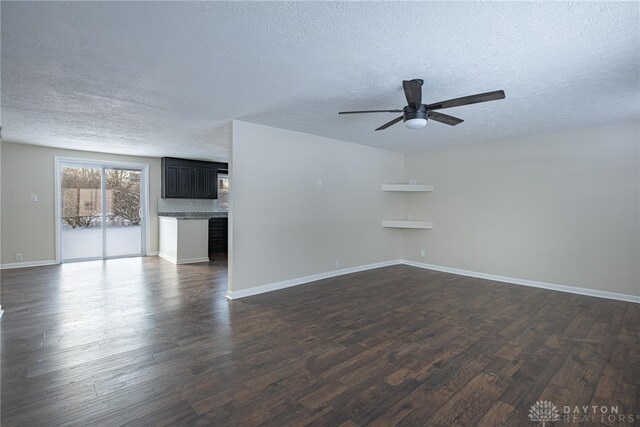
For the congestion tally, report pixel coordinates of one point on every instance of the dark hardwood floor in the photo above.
(143, 342)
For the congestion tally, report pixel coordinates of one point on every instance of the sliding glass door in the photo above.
(81, 228)
(101, 211)
(123, 234)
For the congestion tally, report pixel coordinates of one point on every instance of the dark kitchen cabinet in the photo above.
(190, 179)
(205, 183)
(186, 187)
(199, 183)
(211, 184)
(170, 182)
(218, 231)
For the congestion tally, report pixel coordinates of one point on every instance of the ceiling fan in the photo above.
(415, 114)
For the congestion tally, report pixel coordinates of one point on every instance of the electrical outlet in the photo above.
(18, 257)
(423, 253)
(319, 183)
(464, 262)
(34, 197)
(410, 217)
(337, 263)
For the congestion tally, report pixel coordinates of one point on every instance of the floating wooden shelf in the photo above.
(400, 223)
(407, 187)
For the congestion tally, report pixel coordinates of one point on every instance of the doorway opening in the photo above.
(101, 210)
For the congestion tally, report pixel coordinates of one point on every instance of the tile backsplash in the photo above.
(188, 205)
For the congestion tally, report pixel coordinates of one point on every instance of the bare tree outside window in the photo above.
(82, 198)
(125, 207)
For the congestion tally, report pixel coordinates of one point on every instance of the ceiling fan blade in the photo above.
(370, 111)
(444, 118)
(466, 100)
(413, 92)
(391, 123)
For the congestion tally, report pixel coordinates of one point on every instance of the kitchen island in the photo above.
(184, 237)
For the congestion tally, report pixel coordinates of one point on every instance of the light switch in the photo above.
(34, 197)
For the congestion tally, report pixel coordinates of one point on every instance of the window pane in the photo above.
(223, 191)
(123, 210)
(81, 228)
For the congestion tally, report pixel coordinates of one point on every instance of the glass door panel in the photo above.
(81, 212)
(123, 211)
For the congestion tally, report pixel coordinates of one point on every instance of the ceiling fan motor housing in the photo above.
(414, 113)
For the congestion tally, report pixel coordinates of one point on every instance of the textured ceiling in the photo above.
(165, 78)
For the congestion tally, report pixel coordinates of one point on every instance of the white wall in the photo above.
(283, 226)
(29, 228)
(560, 208)
(184, 241)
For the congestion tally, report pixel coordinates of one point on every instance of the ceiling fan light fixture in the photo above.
(415, 123)
(415, 118)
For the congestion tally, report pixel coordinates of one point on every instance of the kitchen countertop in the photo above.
(194, 215)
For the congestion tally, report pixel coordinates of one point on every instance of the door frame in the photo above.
(144, 194)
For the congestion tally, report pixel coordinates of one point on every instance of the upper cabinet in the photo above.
(190, 179)
(170, 181)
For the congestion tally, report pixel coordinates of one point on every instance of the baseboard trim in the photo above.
(193, 260)
(27, 264)
(168, 258)
(243, 293)
(155, 253)
(182, 261)
(525, 282)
